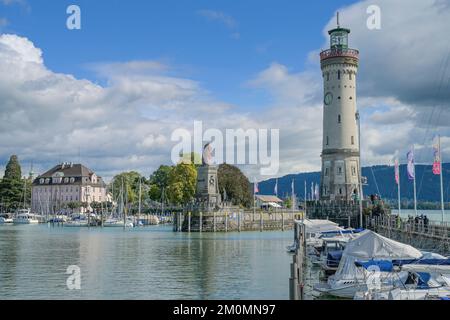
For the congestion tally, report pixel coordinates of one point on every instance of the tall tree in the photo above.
(12, 185)
(182, 183)
(236, 185)
(13, 170)
(159, 180)
(130, 182)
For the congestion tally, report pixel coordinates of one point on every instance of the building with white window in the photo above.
(66, 183)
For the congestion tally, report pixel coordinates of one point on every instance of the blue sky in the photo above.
(153, 67)
(177, 32)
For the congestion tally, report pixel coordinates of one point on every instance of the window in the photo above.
(350, 76)
(339, 118)
(328, 140)
(326, 172)
(351, 98)
(339, 74)
(41, 181)
(353, 171)
(353, 140)
(72, 180)
(340, 190)
(328, 76)
(339, 170)
(66, 180)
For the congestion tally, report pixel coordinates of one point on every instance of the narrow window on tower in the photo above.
(339, 118)
(353, 140)
(350, 76)
(328, 76)
(328, 140)
(340, 190)
(326, 172)
(339, 74)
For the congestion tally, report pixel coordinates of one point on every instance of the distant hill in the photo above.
(380, 181)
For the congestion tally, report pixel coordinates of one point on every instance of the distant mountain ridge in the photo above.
(380, 180)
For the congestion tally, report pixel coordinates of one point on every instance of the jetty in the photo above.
(235, 220)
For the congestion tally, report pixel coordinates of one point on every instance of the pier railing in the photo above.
(426, 235)
(421, 227)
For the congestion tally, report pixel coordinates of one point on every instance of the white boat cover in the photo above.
(430, 268)
(367, 246)
(317, 226)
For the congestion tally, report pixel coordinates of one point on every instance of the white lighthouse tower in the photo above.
(340, 178)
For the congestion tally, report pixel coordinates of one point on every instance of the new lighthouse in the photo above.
(340, 177)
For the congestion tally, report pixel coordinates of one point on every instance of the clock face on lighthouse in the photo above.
(328, 98)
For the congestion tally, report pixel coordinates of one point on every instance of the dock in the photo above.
(433, 236)
(235, 221)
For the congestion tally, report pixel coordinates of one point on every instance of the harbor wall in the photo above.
(232, 221)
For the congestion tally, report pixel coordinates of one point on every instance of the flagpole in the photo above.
(293, 200)
(414, 173)
(305, 199)
(398, 190)
(442, 183)
(254, 200)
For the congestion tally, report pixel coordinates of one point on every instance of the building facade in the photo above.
(340, 177)
(66, 183)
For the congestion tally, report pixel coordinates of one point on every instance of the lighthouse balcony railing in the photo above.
(339, 52)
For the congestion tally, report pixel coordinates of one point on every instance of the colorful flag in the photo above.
(437, 159)
(397, 172)
(410, 166)
(255, 187)
(275, 189)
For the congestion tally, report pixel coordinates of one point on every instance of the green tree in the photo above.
(159, 180)
(13, 170)
(182, 183)
(74, 205)
(288, 203)
(236, 185)
(130, 182)
(12, 185)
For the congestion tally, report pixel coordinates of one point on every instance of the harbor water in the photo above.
(142, 263)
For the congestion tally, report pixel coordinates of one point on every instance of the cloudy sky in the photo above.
(112, 93)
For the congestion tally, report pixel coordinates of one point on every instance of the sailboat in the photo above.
(116, 221)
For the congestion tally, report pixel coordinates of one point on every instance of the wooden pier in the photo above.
(433, 236)
(298, 264)
(237, 220)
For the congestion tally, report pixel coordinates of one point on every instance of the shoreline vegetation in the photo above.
(173, 186)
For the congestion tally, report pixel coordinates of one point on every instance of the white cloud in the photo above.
(228, 21)
(127, 123)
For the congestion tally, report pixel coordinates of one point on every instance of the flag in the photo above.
(437, 159)
(255, 187)
(312, 190)
(275, 189)
(397, 172)
(292, 186)
(316, 192)
(410, 166)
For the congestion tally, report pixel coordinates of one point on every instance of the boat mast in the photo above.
(358, 118)
(140, 195)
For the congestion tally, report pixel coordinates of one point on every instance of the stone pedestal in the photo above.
(207, 194)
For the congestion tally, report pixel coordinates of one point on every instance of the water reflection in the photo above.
(144, 263)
